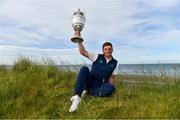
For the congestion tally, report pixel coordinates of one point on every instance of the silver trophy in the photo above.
(78, 21)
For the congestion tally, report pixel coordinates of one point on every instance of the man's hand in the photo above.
(112, 78)
(82, 50)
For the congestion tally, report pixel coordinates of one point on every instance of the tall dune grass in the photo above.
(30, 90)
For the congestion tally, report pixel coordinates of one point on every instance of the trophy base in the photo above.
(77, 39)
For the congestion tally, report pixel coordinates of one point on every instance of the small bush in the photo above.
(22, 64)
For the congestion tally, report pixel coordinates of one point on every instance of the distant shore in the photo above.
(169, 69)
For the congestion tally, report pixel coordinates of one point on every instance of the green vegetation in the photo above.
(29, 90)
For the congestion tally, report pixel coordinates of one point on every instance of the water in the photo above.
(133, 69)
(145, 69)
(150, 69)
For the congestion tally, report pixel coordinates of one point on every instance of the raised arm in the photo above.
(82, 50)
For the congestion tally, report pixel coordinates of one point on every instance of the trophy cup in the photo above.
(78, 21)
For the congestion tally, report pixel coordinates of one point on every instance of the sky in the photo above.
(141, 31)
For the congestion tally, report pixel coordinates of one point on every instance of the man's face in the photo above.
(107, 51)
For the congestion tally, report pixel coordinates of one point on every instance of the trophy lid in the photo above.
(78, 12)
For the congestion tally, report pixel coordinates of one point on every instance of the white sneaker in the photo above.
(83, 93)
(75, 102)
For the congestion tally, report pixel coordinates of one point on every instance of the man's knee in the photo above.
(84, 69)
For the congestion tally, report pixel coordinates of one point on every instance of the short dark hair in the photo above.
(107, 44)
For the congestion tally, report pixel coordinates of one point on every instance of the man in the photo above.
(98, 81)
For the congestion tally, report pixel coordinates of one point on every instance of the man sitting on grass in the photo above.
(99, 80)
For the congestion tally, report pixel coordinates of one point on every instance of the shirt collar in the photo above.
(108, 59)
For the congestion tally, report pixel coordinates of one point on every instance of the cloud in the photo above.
(139, 29)
(163, 3)
(59, 56)
(29, 35)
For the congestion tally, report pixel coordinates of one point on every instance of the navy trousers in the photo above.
(86, 81)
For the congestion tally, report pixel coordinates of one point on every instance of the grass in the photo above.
(30, 90)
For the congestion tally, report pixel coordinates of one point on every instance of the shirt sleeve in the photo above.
(115, 72)
(92, 56)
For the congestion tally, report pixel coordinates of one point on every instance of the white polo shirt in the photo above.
(94, 56)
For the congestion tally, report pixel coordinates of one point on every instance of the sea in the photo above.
(131, 69)
(150, 69)
(139, 69)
